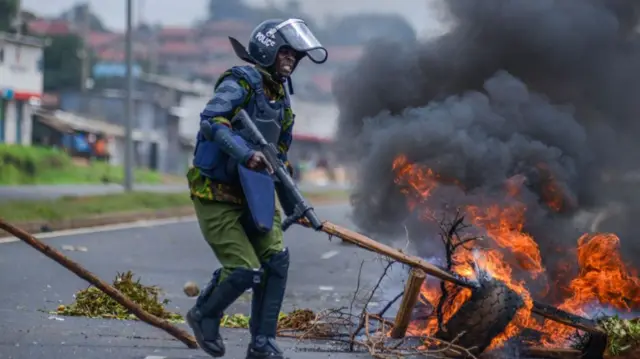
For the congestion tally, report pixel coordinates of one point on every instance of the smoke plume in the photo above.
(538, 89)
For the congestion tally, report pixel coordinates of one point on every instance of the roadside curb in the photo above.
(38, 227)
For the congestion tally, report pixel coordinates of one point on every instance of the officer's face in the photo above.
(285, 61)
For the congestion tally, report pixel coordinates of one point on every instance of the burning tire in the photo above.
(483, 317)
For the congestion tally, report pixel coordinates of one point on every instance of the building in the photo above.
(21, 81)
(157, 113)
(51, 126)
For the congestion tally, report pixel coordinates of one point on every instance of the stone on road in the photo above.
(323, 275)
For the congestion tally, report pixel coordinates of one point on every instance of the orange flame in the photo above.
(603, 278)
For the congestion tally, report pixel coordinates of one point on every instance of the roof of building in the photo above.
(216, 45)
(49, 27)
(69, 122)
(171, 31)
(22, 40)
(177, 84)
(179, 48)
(99, 39)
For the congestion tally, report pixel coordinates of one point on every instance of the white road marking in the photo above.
(131, 225)
(107, 228)
(154, 357)
(329, 254)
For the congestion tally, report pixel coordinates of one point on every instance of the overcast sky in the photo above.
(421, 13)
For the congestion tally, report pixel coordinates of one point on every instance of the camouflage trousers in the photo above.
(220, 223)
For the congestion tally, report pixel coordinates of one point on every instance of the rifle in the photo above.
(301, 208)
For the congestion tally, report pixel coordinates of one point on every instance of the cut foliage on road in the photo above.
(297, 320)
(84, 207)
(26, 165)
(93, 303)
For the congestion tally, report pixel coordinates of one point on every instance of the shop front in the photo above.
(16, 110)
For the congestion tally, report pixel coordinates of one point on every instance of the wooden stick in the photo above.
(409, 300)
(374, 246)
(430, 269)
(112, 292)
(560, 316)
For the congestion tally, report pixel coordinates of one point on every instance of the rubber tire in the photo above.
(483, 317)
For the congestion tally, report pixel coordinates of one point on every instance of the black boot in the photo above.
(265, 308)
(204, 318)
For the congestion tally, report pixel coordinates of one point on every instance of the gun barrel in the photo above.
(313, 219)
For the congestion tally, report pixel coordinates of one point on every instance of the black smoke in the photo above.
(540, 89)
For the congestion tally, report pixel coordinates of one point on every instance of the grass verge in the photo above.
(26, 165)
(83, 207)
(66, 208)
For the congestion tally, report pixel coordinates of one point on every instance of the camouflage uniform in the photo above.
(219, 206)
(250, 259)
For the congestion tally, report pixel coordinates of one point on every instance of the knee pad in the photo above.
(278, 264)
(206, 291)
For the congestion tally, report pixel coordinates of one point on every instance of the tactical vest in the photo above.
(267, 115)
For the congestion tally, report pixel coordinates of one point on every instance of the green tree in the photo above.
(8, 15)
(62, 63)
(81, 12)
(8, 9)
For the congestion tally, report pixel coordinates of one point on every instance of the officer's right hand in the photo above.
(258, 162)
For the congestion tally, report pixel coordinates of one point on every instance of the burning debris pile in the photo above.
(513, 116)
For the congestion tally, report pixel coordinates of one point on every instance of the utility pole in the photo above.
(84, 27)
(18, 19)
(128, 157)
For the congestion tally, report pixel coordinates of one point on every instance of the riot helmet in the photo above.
(272, 35)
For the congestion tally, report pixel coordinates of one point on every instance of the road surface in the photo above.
(323, 275)
(8, 193)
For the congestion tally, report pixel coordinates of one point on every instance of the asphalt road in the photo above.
(323, 275)
(9, 193)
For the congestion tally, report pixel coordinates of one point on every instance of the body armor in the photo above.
(267, 115)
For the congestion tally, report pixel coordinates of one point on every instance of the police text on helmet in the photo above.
(266, 41)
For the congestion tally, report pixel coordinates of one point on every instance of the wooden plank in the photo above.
(109, 290)
(409, 300)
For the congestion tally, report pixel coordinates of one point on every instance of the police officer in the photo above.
(250, 258)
